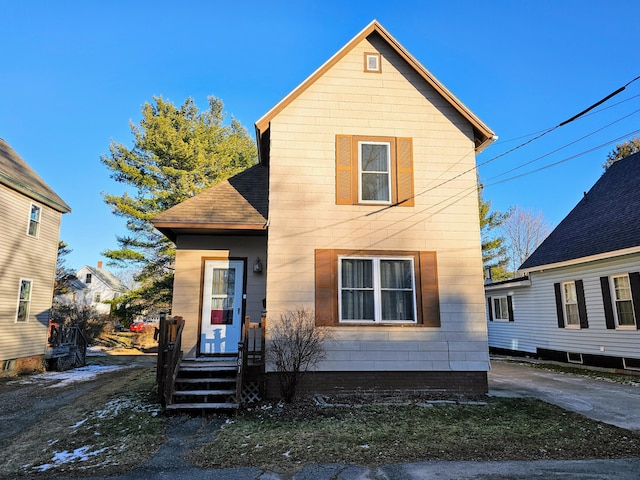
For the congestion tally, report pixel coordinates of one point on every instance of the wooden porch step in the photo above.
(202, 406)
(204, 392)
(205, 367)
(206, 380)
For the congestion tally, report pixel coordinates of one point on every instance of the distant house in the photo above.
(30, 215)
(579, 300)
(362, 209)
(94, 286)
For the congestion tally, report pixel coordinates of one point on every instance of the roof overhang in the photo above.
(578, 261)
(509, 284)
(173, 229)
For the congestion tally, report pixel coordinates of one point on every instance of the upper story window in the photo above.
(372, 62)
(87, 279)
(624, 312)
(377, 289)
(34, 220)
(24, 301)
(374, 170)
(570, 300)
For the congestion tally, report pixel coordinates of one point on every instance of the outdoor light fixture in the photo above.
(257, 266)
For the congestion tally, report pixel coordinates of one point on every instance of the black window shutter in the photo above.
(606, 300)
(634, 281)
(582, 305)
(559, 309)
(510, 307)
(490, 306)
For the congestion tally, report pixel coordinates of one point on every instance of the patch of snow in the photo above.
(81, 374)
(287, 454)
(79, 424)
(81, 454)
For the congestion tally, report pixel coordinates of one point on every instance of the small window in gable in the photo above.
(372, 62)
(374, 170)
(34, 221)
(87, 279)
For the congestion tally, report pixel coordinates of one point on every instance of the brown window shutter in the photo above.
(559, 306)
(345, 173)
(404, 172)
(326, 288)
(429, 289)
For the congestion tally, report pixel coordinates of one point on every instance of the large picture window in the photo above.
(376, 287)
(377, 290)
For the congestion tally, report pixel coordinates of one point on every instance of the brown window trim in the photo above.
(347, 170)
(426, 286)
(366, 64)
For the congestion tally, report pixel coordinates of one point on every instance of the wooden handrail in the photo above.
(169, 356)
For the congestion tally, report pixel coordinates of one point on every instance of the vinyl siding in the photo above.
(25, 257)
(304, 215)
(535, 320)
(187, 286)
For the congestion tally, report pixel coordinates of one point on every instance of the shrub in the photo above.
(296, 346)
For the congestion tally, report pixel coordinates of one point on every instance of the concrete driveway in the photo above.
(601, 400)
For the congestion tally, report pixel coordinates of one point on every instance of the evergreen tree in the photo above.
(177, 153)
(621, 151)
(494, 252)
(64, 275)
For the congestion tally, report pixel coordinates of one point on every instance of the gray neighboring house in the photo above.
(579, 298)
(30, 216)
(94, 286)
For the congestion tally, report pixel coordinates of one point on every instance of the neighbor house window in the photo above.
(24, 301)
(87, 279)
(34, 220)
(376, 287)
(374, 170)
(96, 297)
(570, 300)
(377, 290)
(500, 308)
(571, 308)
(623, 301)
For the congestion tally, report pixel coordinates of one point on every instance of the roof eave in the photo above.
(577, 261)
(171, 229)
(61, 207)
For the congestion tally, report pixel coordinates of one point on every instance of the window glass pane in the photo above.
(357, 273)
(358, 305)
(622, 288)
(397, 305)
(25, 290)
(572, 314)
(375, 157)
(570, 293)
(375, 186)
(396, 274)
(625, 313)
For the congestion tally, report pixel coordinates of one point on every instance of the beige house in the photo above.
(30, 214)
(364, 209)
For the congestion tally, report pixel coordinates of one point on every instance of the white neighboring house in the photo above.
(579, 300)
(94, 286)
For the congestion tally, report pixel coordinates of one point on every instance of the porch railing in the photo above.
(251, 351)
(169, 356)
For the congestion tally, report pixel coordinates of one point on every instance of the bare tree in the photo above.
(296, 346)
(523, 231)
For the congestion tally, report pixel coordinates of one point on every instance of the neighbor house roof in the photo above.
(106, 277)
(605, 223)
(17, 175)
(240, 203)
(483, 134)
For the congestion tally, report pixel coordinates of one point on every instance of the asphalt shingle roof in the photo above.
(606, 219)
(16, 174)
(241, 200)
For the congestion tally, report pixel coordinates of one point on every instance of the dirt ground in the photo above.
(27, 404)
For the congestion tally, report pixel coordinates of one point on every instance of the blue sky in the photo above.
(73, 74)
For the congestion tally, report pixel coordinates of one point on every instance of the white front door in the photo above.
(221, 306)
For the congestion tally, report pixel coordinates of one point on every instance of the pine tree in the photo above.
(177, 153)
(494, 253)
